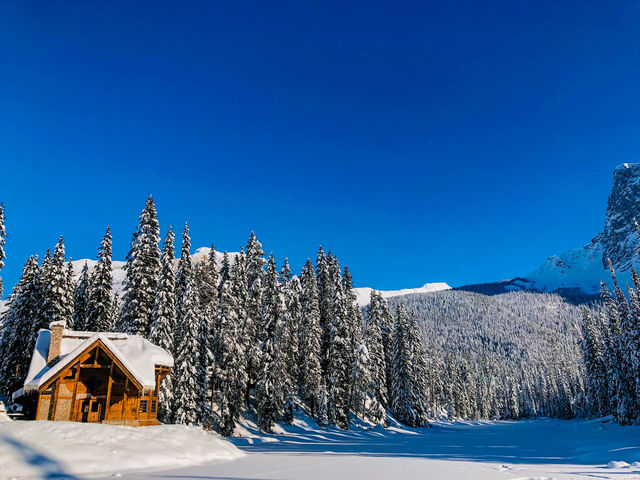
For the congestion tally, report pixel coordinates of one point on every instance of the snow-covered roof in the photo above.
(138, 355)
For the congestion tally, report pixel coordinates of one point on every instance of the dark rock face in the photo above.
(620, 239)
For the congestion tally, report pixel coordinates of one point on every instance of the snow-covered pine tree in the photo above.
(377, 366)
(16, 344)
(185, 265)
(81, 299)
(339, 354)
(325, 302)
(163, 322)
(70, 285)
(100, 309)
(386, 330)
(618, 392)
(3, 235)
(230, 360)
(142, 272)
(186, 382)
(420, 373)
(207, 277)
(204, 364)
(115, 310)
(291, 292)
(361, 381)
(309, 337)
(272, 384)
(253, 330)
(595, 368)
(405, 400)
(53, 288)
(634, 330)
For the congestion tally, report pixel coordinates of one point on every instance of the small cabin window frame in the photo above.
(143, 406)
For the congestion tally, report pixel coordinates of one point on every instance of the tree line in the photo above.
(611, 347)
(246, 335)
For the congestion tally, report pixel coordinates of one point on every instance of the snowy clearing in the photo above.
(481, 450)
(65, 449)
(541, 449)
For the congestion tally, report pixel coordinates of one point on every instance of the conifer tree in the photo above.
(377, 364)
(186, 390)
(68, 296)
(230, 359)
(311, 381)
(595, 368)
(339, 354)
(253, 330)
(291, 290)
(100, 309)
(53, 290)
(163, 322)
(18, 337)
(81, 299)
(407, 395)
(142, 272)
(271, 387)
(3, 235)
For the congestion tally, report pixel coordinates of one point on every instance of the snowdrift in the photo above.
(47, 449)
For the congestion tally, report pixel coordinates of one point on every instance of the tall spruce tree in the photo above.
(407, 398)
(81, 299)
(230, 367)
(271, 387)
(186, 391)
(310, 336)
(339, 352)
(253, 330)
(16, 344)
(377, 363)
(142, 272)
(53, 291)
(100, 309)
(3, 235)
(163, 322)
(70, 285)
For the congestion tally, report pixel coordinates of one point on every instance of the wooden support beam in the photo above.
(75, 390)
(124, 397)
(106, 407)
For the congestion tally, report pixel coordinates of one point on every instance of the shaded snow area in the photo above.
(76, 450)
(536, 449)
(363, 294)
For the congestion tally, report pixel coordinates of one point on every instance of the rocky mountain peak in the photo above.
(619, 238)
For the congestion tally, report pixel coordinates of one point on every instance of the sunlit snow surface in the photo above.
(467, 450)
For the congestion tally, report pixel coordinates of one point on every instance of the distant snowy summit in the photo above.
(584, 268)
(363, 294)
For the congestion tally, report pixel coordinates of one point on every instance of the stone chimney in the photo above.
(56, 340)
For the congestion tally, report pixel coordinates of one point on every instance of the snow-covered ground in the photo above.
(535, 449)
(69, 449)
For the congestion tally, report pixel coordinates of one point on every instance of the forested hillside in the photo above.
(501, 356)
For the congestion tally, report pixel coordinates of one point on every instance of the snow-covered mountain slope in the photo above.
(363, 293)
(584, 268)
(119, 273)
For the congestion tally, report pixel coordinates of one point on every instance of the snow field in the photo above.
(62, 449)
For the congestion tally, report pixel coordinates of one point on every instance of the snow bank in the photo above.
(48, 449)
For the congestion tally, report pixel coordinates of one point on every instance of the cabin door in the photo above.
(91, 410)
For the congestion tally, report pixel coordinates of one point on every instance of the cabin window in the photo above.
(153, 406)
(94, 407)
(143, 406)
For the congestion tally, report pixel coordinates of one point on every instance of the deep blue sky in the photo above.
(420, 141)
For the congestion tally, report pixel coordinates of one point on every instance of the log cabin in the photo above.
(93, 377)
